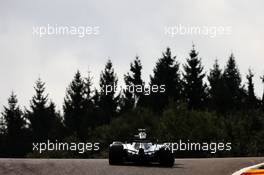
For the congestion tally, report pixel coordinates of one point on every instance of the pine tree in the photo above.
(88, 88)
(216, 86)
(262, 99)
(214, 78)
(133, 81)
(2, 125)
(194, 87)
(232, 80)
(78, 106)
(91, 117)
(13, 116)
(166, 72)
(15, 130)
(108, 101)
(251, 97)
(42, 115)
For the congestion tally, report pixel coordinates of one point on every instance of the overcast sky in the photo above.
(127, 28)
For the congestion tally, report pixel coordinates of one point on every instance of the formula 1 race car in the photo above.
(140, 150)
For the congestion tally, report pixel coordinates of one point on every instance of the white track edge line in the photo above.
(247, 168)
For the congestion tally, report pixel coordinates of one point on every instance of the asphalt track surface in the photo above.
(219, 166)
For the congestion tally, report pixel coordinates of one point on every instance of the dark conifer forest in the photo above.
(197, 105)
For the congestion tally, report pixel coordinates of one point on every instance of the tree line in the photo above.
(195, 106)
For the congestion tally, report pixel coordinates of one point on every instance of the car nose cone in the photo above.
(141, 151)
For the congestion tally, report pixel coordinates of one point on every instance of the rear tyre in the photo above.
(166, 158)
(116, 153)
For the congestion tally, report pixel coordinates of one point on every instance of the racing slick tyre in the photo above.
(166, 158)
(116, 154)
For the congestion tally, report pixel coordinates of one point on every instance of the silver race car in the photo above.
(140, 150)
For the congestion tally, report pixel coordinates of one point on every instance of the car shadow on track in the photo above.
(155, 165)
